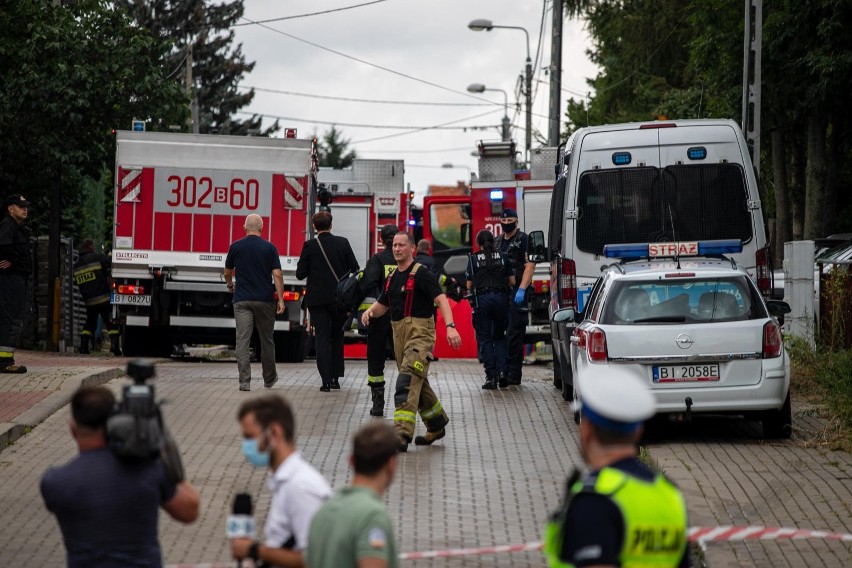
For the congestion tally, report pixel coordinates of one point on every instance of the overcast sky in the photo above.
(427, 52)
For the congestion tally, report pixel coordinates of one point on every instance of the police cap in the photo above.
(509, 213)
(17, 199)
(617, 399)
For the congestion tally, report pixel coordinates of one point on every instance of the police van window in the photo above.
(557, 206)
(644, 204)
(447, 222)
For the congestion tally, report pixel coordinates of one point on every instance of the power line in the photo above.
(437, 126)
(439, 150)
(310, 14)
(385, 102)
(380, 126)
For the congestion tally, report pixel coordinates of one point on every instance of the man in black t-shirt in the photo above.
(256, 264)
(107, 508)
(410, 294)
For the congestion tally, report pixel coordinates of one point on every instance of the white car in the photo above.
(687, 320)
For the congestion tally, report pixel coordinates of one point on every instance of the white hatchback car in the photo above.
(687, 320)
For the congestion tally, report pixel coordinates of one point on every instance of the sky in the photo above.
(405, 51)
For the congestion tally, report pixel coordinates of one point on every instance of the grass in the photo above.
(824, 377)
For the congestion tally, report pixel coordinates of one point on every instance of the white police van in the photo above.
(683, 180)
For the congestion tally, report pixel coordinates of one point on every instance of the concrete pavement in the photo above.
(493, 480)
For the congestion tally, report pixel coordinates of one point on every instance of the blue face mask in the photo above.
(252, 453)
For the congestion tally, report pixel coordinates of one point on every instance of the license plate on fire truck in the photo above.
(131, 299)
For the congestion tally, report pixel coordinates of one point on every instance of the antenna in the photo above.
(674, 236)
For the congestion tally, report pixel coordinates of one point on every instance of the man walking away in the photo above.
(108, 508)
(377, 269)
(353, 529)
(298, 490)
(410, 294)
(513, 244)
(92, 278)
(326, 259)
(424, 255)
(256, 264)
(15, 267)
(622, 513)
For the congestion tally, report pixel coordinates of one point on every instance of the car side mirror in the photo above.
(563, 315)
(536, 249)
(778, 308)
(464, 234)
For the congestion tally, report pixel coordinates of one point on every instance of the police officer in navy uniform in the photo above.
(378, 267)
(90, 274)
(489, 277)
(16, 264)
(513, 243)
(622, 513)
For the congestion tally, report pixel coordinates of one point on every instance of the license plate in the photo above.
(686, 373)
(130, 300)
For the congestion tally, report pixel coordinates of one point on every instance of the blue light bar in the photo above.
(412, 222)
(496, 195)
(687, 248)
(621, 158)
(696, 153)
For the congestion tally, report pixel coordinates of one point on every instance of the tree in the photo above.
(68, 76)
(203, 36)
(333, 150)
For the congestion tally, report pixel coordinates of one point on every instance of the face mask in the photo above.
(508, 227)
(253, 454)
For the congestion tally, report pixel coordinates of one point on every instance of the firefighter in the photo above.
(513, 244)
(376, 271)
(409, 294)
(622, 513)
(90, 274)
(489, 277)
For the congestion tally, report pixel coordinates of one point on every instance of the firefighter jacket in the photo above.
(90, 274)
(377, 269)
(15, 245)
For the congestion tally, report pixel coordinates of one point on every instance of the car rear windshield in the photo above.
(682, 300)
(645, 204)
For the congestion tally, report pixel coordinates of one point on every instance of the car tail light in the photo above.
(290, 296)
(763, 271)
(567, 284)
(772, 341)
(580, 334)
(130, 289)
(597, 345)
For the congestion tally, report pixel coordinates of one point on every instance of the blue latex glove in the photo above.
(520, 296)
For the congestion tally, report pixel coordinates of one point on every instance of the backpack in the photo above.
(348, 292)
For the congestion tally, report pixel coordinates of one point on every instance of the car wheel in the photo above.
(778, 424)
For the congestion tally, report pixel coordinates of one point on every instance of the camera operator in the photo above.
(107, 507)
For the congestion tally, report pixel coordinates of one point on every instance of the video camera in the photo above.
(135, 431)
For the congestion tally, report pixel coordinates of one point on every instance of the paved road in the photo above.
(492, 480)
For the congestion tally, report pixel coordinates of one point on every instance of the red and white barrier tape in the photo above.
(695, 534)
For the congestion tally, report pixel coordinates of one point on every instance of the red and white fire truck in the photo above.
(452, 222)
(182, 199)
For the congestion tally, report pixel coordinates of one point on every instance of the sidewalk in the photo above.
(51, 379)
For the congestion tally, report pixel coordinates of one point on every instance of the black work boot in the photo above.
(429, 437)
(378, 394)
(490, 383)
(503, 380)
(115, 345)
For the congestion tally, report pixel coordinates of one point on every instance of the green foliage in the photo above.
(203, 33)
(333, 150)
(68, 76)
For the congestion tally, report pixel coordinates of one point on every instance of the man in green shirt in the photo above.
(353, 528)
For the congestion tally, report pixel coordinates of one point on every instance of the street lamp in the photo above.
(480, 88)
(481, 24)
(449, 166)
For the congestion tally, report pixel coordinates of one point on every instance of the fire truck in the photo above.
(452, 222)
(182, 199)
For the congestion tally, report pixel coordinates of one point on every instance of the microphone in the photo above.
(240, 521)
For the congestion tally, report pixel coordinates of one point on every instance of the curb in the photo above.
(39, 412)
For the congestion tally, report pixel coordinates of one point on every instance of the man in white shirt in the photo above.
(298, 490)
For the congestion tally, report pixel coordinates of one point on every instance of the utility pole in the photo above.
(752, 40)
(528, 73)
(555, 74)
(190, 91)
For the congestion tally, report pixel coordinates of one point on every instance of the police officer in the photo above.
(410, 294)
(16, 264)
(489, 276)
(622, 513)
(90, 274)
(378, 267)
(513, 244)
